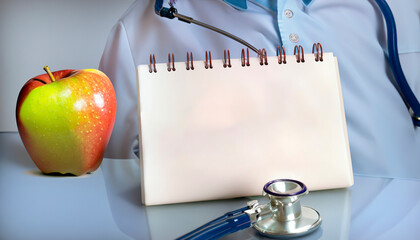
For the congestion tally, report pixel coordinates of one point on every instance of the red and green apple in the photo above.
(65, 119)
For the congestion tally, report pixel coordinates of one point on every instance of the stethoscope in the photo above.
(406, 93)
(283, 216)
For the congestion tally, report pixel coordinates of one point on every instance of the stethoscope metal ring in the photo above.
(284, 215)
(290, 182)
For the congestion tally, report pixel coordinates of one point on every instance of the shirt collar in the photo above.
(241, 4)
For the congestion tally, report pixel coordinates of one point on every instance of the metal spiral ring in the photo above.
(263, 57)
(226, 62)
(245, 60)
(281, 51)
(300, 57)
(319, 53)
(152, 65)
(190, 55)
(208, 57)
(171, 62)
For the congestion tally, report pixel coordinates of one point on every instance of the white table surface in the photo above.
(107, 205)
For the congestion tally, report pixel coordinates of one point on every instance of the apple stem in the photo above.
(47, 69)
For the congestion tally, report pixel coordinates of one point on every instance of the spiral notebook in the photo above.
(218, 129)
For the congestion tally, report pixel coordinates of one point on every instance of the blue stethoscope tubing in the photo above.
(394, 61)
(404, 88)
(228, 223)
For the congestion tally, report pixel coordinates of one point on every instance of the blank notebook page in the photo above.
(224, 132)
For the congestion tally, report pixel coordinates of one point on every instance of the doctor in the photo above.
(383, 139)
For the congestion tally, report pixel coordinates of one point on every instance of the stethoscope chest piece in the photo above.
(285, 216)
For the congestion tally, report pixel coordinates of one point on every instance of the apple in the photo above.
(65, 119)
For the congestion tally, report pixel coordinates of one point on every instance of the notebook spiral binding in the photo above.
(281, 58)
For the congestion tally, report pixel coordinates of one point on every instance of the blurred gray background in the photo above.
(62, 34)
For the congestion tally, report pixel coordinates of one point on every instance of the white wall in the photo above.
(64, 34)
